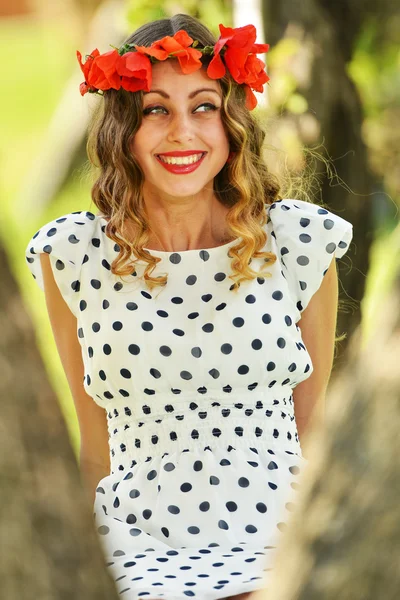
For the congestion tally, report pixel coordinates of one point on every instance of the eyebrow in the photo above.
(191, 95)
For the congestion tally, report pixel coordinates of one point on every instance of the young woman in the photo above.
(186, 312)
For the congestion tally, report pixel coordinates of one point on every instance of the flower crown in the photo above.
(129, 67)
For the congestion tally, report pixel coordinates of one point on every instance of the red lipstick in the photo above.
(181, 169)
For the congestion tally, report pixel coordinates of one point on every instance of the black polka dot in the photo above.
(169, 466)
(175, 258)
(135, 531)
(193, 529)
(173, 509)
(186, 487)
(303, 261)
(131, 519)
(238, 322)
(165, 351)
(243, 482)
(305, 238)
(277, 295)
(331, 247)
(226, 348)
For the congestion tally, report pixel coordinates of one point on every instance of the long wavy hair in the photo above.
(243, 185)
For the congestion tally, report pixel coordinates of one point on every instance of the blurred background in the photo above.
(331, 112)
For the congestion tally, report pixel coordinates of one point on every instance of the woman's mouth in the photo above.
(181, 164)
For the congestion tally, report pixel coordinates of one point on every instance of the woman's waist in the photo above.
(188, 414)
(143, 408)
(137, 440)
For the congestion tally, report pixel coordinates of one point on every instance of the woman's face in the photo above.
(180, 117)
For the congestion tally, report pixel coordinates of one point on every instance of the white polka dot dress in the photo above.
(197, 382)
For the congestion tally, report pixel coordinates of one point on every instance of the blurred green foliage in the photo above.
(37, 60)
(375, 69)
(210, 12)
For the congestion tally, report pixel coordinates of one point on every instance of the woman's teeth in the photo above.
(182, 160)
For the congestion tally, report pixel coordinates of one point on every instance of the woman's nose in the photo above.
(180, 128)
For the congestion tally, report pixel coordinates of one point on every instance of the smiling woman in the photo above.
(194, 365)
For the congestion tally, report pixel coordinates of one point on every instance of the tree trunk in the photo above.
(332, 29)
(49, 546)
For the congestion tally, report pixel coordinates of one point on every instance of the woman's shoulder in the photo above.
(309, 223)
(307, 237)
(65, 239)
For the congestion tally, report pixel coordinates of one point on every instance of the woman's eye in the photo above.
(211, 107)
(148, 111)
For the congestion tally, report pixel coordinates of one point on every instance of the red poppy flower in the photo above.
(103, 74)
(189, 58)
(241, 39)
(86, 68)
(99, 71)
(251, 72)
(254, 73)
(135, 70)
(240, 59)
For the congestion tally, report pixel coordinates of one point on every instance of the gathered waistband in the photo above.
(265, 422)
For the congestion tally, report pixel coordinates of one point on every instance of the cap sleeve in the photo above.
(65, 240)
(307, 237)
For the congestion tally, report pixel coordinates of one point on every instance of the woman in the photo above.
(186, 312)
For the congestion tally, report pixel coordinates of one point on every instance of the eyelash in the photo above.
(148, 111)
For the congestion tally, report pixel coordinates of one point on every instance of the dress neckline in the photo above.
(213, 249)
(192, 250)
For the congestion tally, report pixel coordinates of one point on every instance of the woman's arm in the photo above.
(318, 329)
(94, 451)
